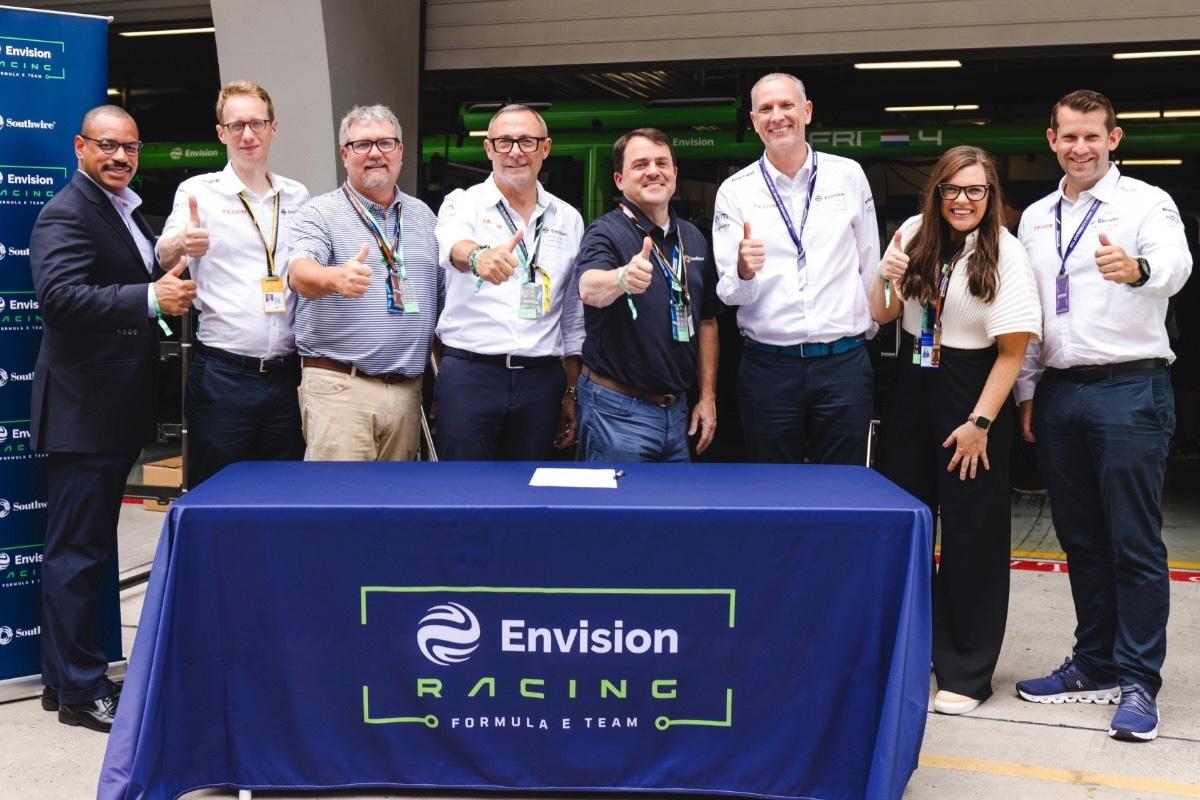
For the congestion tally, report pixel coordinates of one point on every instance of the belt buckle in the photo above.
(262, 365)
(508, 362)
(668, 400)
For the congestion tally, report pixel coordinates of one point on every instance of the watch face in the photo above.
(983, 423)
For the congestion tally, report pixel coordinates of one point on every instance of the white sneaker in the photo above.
(950, 703)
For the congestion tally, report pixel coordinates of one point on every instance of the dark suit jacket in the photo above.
(94, 384)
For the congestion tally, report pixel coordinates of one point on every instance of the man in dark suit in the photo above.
(92, 257)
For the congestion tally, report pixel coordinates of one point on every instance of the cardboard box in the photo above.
(163, 472)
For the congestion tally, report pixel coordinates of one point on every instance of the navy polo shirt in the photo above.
(641, 352)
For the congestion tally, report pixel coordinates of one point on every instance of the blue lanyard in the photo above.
(530, 264)
(393, 253)
(1074, 239)
(783, 212)
(676, 279)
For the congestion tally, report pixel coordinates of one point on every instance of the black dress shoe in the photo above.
(96, 715)
(50, 698)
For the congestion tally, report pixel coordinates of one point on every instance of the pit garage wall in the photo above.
(482, 34)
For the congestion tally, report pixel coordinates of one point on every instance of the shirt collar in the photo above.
(647, 223)
(232, 185)
(783, 180)
(128, 200)
(374, 207)
(1104, 190)
(492, 195)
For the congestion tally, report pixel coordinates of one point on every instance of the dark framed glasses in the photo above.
(110, 146)
(951, 191)
(237, 128)
(363, 146)
(527, 144)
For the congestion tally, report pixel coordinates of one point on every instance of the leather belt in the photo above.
(502, 360)
(810, 350)
(660, 400)
(320, 362)
(1089, 373)
(265, 366)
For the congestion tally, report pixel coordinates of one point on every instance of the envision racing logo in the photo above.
(5, 560)
(448, 634)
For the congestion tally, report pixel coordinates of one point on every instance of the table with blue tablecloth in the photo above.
(759, 630)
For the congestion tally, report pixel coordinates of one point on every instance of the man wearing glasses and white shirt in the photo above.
(796, 246)
(512, 329)
(235, 228)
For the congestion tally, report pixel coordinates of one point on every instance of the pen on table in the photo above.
(618, 474)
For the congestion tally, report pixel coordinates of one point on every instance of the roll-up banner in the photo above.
(53, 68)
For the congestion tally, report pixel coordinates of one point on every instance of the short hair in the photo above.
(778, 76)
(248, 88)
(1084, 101)
(653, 134)
(364, 115)
(515, 107)
(107, 110)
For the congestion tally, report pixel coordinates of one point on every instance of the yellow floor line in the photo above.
(1054, 775)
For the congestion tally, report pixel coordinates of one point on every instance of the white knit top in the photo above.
(968, 323)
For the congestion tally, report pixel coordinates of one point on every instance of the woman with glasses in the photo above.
(964, 288)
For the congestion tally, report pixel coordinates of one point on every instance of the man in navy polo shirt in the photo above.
(648, 285)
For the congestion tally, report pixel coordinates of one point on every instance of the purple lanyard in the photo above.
(1074, 239)
(783, 212)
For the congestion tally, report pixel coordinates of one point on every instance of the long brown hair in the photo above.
(931, 242)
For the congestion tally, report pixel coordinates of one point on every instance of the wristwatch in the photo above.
(572, 392)
(1143, 270)
(981, 422)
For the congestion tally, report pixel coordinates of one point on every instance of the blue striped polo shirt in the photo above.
(363, 332)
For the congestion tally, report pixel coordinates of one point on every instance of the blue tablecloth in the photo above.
(745, 629)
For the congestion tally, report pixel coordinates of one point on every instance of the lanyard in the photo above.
(529, 264)
(393, 252)
(268, 247)
(673, 268)
(1078, 232)
(940, 300)
(783, 211)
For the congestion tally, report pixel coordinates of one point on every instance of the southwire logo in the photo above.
(5, 508)
(6, 635)
(448, 634)
(6, 251)
(6, 376)
(27, 124)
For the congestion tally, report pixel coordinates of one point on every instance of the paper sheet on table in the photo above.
(574, 478)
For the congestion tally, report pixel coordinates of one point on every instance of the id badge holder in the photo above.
(1062, 294)
(929, 353)
(679, 323)
(273, 296)
(408, 296)
(531, 301)
(802, 273)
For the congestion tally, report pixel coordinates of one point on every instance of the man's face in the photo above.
(516, 168)
(248, 149)
(372, 170)
(114, 170)
(1082, 144)
(647, 178)
(780, 114)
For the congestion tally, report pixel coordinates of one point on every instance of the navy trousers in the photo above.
(1102, 447)
(488, 412)
(83, 506)
(240, 414)
(796, 409)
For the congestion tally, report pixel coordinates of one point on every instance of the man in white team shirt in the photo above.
(796, 246)
(234, 227)
(1107, 251)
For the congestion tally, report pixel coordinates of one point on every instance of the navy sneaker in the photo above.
(1137, 718)
(1068, 684)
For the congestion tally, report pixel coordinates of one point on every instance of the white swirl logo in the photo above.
(448, 634)
(5, 508)
(5, 560)
(3, 376)
(6, 634)
(3, 434)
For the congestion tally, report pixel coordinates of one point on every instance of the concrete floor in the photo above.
(1007, 748)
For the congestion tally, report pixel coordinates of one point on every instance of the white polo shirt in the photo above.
(841, 244)
(487, 321)
(228, 277)
(1107, 322)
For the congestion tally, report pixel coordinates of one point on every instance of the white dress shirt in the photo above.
(487, 321)
(1107, 322)
(229, 276)
(841, 244)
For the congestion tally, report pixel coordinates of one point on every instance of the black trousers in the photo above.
(970, 587)
(84, 492)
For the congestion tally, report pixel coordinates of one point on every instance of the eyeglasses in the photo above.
(951, 191)
(363, 146)
(236, 128)
(503, 144)
(110, 146)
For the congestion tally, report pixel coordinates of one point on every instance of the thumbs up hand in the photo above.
(497, 264)
(895, 261)
(1114, 264)
(175, 294)
(751, 254)
(194, 236)
(636, 275)
(356, 275)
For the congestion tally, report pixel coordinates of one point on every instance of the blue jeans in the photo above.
(616, 427)
(1102, 447)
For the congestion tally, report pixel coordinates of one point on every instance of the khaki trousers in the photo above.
(354, 418)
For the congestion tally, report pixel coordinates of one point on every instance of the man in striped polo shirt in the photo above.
(365, 266)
